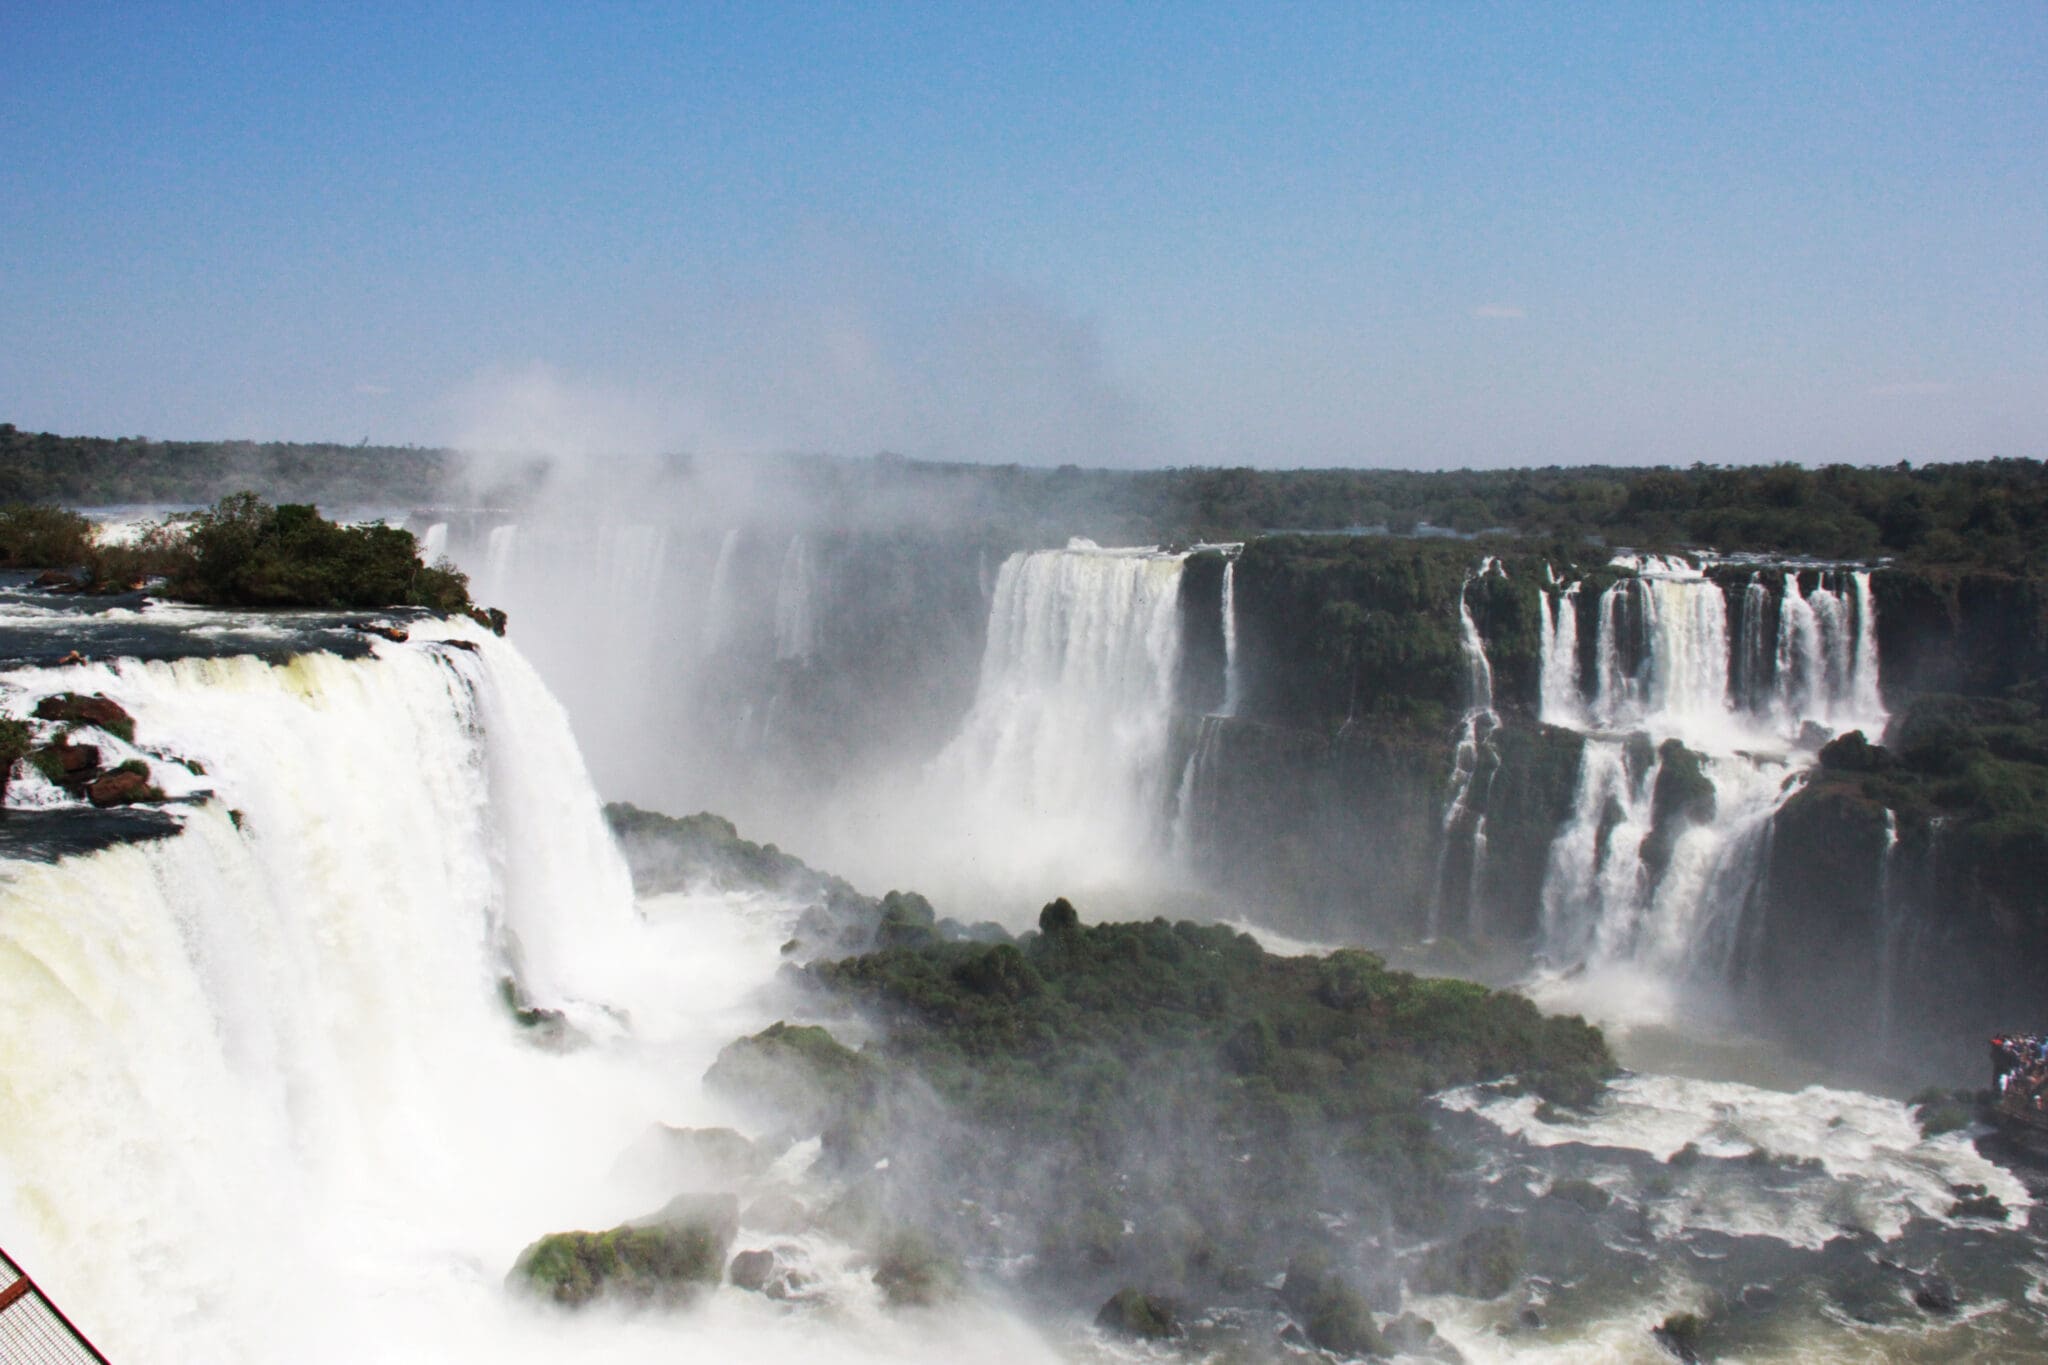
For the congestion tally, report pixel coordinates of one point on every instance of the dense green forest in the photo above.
(90, 471)
(1986, 513)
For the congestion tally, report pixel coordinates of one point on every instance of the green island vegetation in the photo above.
(1165, 1109)
(243, 552)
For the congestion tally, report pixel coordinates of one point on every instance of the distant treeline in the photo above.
(88, 471)
(1987, 513)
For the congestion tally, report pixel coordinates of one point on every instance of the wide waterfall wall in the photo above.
(259, 1099)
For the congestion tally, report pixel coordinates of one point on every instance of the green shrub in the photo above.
(43, 537)
(244, 552)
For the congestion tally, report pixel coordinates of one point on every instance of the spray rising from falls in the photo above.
(1700, 723)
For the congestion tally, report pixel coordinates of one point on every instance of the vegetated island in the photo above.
(1156, 1120)
(242, 552)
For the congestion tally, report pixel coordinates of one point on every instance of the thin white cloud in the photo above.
(1912, 388)
(1499, 311)
(373, 390)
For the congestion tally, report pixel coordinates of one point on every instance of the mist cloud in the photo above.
(844, 349)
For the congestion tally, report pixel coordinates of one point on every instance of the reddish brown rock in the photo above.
(118, 788)
(73, 709)
(75, 758)
(57, 580)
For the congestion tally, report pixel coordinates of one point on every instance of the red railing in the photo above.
(34, 1331)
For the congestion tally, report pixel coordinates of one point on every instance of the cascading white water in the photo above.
(1596, 878)
(1865, 691)
(1558, 628)
(500, 546)
(1888, 918)
(1061, 769)
(1196, 779)
(1682, 682)
(259, 1099)
(796, 623)
(230, 1047)
(718, 603)
(434, 543)
(1231, 683)
(1670, 668)
(634, 557)
(1475, 731)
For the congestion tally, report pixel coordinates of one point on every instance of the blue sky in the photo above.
(1416, 235)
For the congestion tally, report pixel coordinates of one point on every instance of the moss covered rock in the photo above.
(912, 1273)
(72, 708)
(1134, 1313)
(1483, 1264)
(799, 1074)
(1331, 1311)
(665, 1259)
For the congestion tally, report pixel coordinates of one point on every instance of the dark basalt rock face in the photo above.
(1346, 832)
(1972, 632)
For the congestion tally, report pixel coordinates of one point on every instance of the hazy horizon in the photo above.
(1412, 239)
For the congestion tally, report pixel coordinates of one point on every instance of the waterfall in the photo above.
(796, 624)
(1681, 679)
(718, 604)
(1593, 892)
(1557, 620)
(1190, 813)
(633, 558)
(434, 543)
(1865, 693)
(258, 1100)
(1472, 753)
(1755, 657)
(499, 549)
(1062, 761)
(1827, 664)
(1231, 683)
(1887, 918)
(1668, 669)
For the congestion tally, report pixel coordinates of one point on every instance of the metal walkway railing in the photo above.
(32, 1329)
